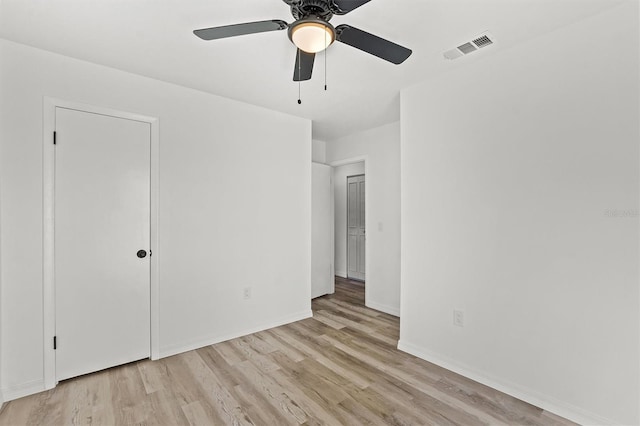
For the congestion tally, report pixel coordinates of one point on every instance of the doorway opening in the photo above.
(350, 213)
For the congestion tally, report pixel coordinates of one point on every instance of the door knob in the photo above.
(141, 254)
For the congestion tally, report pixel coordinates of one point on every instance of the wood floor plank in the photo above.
(259, 345)
(231, 354)
(325, 319)
(217, 363)
(432, 411)
(273, 392)
(313, 402)
(481, 416)
(288, 350)
(256, 404)
(260, 408)
(46, 408)
(321, 358)
(340, 367)
(165, 409)
(215, 393)
(196, 414)
(127, 392)
(360, 414)
(366, 315)
(188, 388)
(151, 374)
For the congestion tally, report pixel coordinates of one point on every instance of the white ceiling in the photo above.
(154, 38)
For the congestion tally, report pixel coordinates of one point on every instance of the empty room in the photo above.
(304, 212)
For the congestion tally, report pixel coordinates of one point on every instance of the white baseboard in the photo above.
(545, 402)
(23, 389)
(383, 308)
(341, 274)
(212, 340)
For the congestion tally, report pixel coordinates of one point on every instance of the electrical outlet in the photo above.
(247, 293)
(458, 318)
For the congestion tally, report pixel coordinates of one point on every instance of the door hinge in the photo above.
(54, 138)
(55, 342)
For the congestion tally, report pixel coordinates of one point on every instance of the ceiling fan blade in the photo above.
(241, 29)
(372, 44)
(304, 65)
(342, 7)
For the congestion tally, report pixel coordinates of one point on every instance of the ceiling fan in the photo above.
(311, 32)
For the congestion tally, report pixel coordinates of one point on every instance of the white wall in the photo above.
(1, 296)
(381, 148)
(235, 207)
(322, 273)
(513, 169)
(340, 174)
(1, 319)
(318, 151)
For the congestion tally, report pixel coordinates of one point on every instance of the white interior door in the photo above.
(102, 220)
(321, 230)
(356, 238)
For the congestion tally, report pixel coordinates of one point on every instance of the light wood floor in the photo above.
(340, 367)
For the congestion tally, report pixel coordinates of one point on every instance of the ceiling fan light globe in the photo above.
(312, 37)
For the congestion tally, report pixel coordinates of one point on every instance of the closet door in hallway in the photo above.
(356, 227)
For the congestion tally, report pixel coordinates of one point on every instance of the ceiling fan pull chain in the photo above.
(325, 62)
(299, 76)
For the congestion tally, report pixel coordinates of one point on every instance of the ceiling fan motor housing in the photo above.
(301, 9)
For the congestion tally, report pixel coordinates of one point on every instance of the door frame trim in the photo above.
(48, 253)
(367, 270)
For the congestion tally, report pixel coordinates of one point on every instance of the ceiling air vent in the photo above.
(478, 42)
(482, 41)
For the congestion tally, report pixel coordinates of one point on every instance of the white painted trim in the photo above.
(48, 290)
(383, 308)
(638, 412)
(201, 342)
(332, 289)
(545, 402)
(24, 389)
(343, 274)
(1, 299)
(367, 260)
(154, 258)
(48, 173)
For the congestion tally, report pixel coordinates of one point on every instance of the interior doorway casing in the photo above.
(49, 107)
(367, 263)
